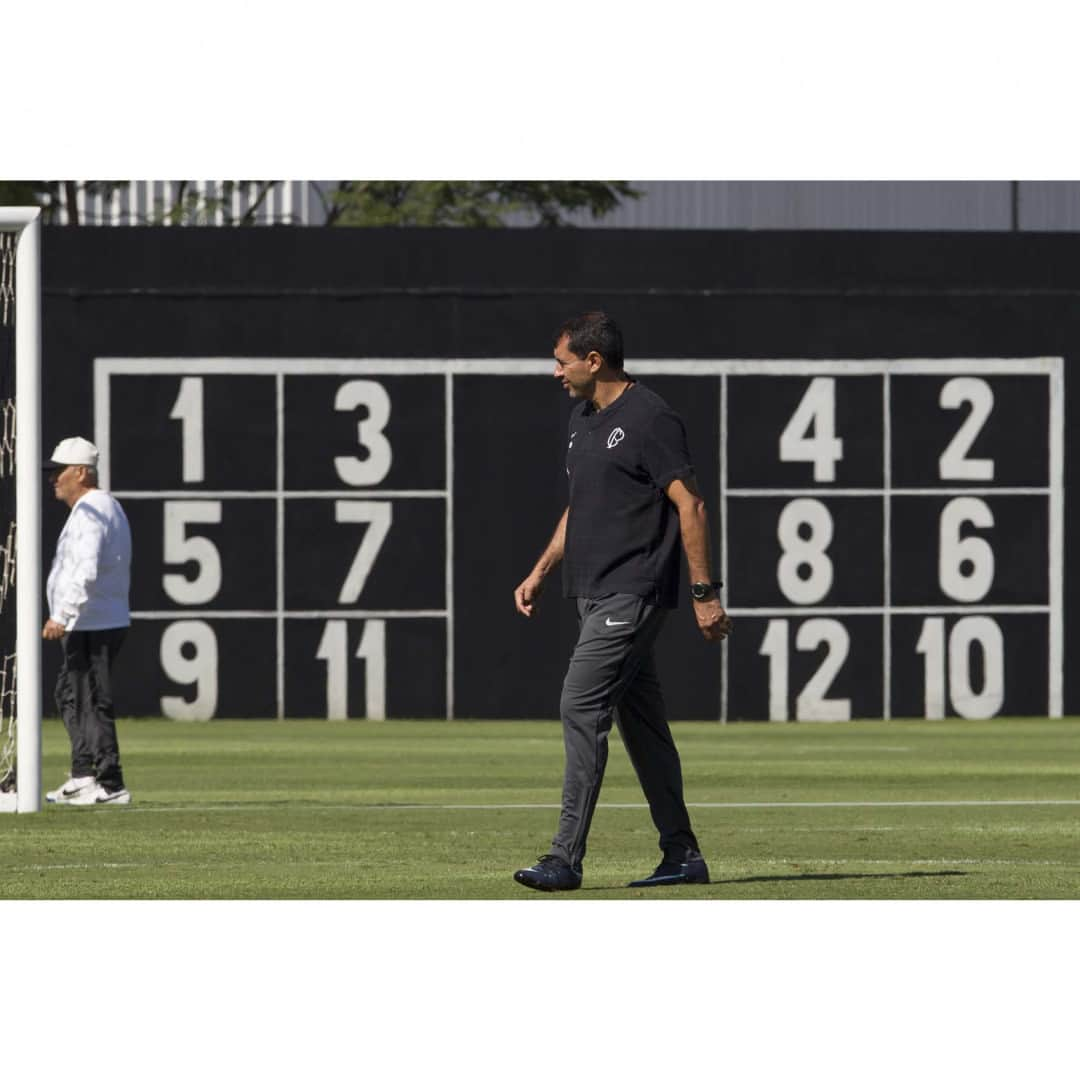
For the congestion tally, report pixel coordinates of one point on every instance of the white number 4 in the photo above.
(377, 516)
(817, 410)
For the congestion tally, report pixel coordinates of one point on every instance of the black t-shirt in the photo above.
(622, 532)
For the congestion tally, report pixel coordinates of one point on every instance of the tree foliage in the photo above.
(432, 203)
(475, 203)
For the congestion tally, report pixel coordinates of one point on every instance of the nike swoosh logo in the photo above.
(608, 622)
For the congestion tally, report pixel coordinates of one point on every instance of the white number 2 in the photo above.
(817, 410)
(954, 463)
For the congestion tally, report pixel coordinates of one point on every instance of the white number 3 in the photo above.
(373, 468)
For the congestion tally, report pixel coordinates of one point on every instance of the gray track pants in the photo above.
(612, 675)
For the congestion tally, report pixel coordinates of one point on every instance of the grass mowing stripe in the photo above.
(260, 810)
(602, 805)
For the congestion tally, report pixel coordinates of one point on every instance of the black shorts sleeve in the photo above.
(667, 455)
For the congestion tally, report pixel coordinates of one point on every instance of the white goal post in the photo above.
(24, 223)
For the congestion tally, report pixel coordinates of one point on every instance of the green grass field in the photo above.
(432, 810)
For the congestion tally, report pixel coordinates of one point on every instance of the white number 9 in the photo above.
(200, 669)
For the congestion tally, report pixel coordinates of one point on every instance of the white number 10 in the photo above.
(974, 630)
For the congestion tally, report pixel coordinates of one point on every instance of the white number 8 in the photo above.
(810, 552)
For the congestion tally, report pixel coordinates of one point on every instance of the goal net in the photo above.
(20, 511)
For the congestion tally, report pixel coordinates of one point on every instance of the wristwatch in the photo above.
(705, 590)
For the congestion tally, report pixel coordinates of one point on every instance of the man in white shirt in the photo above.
(89, 616)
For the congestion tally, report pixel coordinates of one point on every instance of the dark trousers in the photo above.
(612, 677)
(84, 697)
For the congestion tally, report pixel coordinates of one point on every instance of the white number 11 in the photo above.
(334, 650)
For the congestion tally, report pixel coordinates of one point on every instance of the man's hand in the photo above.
(713, 621)
(53, 631)
(527, 593)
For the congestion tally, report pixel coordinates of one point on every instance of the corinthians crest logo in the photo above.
(617, 435)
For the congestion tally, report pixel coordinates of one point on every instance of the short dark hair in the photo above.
(595, 331)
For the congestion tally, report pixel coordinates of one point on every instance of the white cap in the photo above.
(74, 451)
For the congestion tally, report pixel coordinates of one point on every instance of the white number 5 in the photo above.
(181, 548)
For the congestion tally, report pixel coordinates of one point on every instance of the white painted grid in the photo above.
(1056, 554)
(1052, 367)
(721, 449)
(279, 613)
(886, 555)
(203, 493)
(279, 540)
(449, 419)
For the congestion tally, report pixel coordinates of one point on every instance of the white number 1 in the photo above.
(188, 409)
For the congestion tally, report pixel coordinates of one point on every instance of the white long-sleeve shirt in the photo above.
(91, 572)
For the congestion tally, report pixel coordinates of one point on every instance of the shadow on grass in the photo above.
(765, 878)
(771, 878)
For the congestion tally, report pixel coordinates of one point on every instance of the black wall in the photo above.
(265, 293)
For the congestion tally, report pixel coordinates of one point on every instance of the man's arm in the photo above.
(711, 618)
(525, 595)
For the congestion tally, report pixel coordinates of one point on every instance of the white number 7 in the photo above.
(377, 516)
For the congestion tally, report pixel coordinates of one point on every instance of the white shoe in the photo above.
(96, 795)
(71, 787)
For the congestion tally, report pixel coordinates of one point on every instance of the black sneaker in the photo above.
(690, 869)
(550, 874)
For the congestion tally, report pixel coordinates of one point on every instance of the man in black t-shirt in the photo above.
(632, 498)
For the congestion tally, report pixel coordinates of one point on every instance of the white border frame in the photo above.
(26, 223)
(1051, 366)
